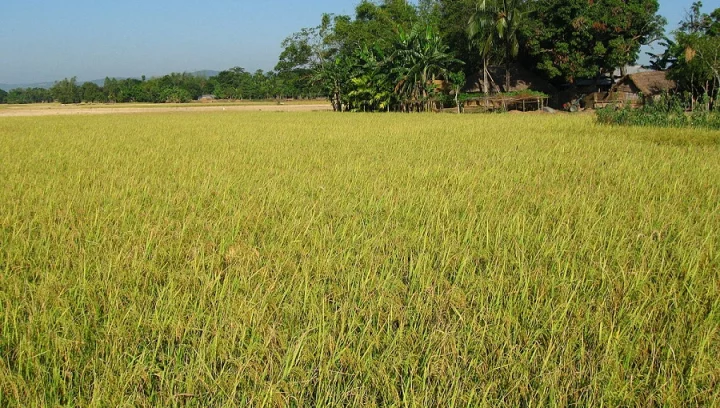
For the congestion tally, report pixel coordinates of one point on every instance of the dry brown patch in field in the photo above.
(29, 111)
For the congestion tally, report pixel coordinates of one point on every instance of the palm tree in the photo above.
(497, 20)
(483, 37)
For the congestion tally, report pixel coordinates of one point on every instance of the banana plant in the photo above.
(418, 59)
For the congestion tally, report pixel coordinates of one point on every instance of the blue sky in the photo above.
(45, 40)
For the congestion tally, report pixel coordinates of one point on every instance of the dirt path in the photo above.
(34, 111)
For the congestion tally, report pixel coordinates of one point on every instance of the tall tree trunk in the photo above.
(707, 95)
(486, 84)
(692, 92)
(457, 99)
(507, 67)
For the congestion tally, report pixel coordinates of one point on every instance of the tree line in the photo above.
(234, 83)
(395, 55)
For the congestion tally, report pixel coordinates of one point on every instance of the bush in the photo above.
(667, 111)
(176, 95)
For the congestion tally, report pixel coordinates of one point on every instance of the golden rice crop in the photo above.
(320, 259)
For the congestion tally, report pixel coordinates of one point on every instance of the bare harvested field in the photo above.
(56, 109)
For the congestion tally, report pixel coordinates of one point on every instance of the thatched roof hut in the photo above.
(650, 84)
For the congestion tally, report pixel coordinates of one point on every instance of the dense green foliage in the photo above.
(692, 59)
(3, 96)
(29, 95)
(91, 92)
(452, 16)
(265, 259)
(384, 59)
(694, 55)
(668, 111)
(570, 39)
(496, 25)
(562, 40)
(234, 83)
(67, 91)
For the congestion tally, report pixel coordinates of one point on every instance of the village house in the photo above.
(633, 90)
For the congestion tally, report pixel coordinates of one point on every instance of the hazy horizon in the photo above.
(43, 41)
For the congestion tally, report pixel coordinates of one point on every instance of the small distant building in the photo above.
(207, 98)
(643, 86)
(633, 90)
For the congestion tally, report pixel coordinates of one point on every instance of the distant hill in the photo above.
(206, 73)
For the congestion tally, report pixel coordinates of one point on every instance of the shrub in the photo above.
(667, 111)
(176, 95)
